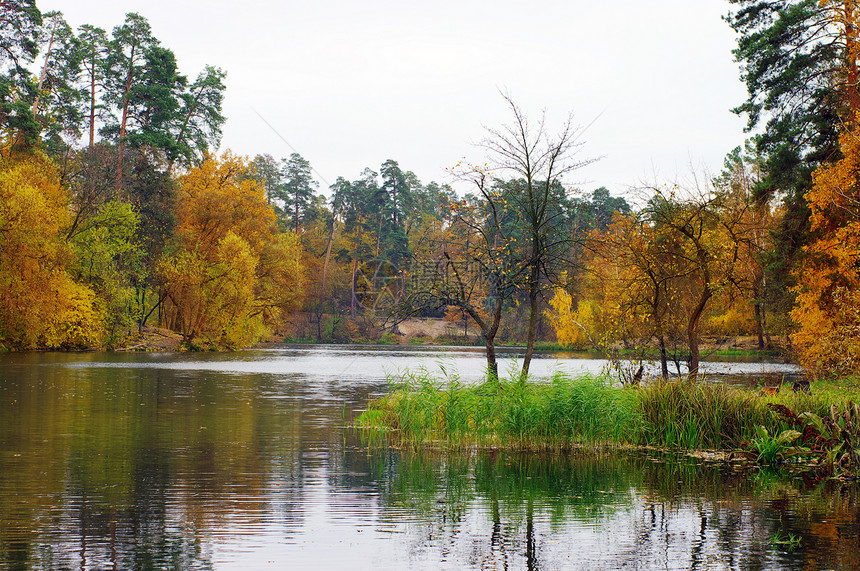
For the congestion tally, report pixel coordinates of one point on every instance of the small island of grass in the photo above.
(818, 430)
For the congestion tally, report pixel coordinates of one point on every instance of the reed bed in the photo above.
(510, 413)
(563, 412)
(688, 415)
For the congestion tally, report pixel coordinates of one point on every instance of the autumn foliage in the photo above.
(40, 304)
(828, 297)
(101, 237)
(231, 275)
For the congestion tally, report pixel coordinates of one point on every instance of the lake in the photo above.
(248, 460)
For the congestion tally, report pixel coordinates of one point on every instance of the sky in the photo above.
(351, 84)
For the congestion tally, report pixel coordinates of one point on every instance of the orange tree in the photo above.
(230, 274)
(652, 275)
(705, 226)
(751, 224)
(827, 310)
(827, 307)
(630, 288)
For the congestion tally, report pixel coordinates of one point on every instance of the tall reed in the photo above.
(563, 411)
(505, 412)
(684, 414)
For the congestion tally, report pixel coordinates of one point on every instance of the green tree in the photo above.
(20, 23)
(94, 49)
(108, 258)
(267, 172)
(199, 119)
(153, 105)
(790, 55)
(601, 208)
(126, 62)
(58, 102)
(297, 188)
(394, 183)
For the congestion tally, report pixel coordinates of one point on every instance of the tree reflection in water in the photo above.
(143, 462)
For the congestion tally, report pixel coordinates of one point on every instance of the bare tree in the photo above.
(538, 162)
(508, 239)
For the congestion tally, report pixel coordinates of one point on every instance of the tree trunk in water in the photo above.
(533, 318)
(664, 363)
(759, 329)
(693, 331)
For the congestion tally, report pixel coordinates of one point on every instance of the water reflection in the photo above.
(240, 461)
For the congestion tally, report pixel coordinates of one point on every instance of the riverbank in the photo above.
(437, 333)
(441, 332)
(818, 427)
(153, 340)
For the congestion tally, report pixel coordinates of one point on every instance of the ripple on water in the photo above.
(246, 461)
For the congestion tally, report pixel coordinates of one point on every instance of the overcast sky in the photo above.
(350, 84)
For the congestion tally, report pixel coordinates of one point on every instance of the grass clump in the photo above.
(773, 449)
(509, 413)
(564, 411)
(684, 414)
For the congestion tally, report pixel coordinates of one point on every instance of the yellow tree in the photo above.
(749, 224)
(638, 266)
(231, 274)
(586, 320)
(40, 304)
(656, 271)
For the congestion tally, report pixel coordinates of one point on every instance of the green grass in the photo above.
(789, 542)
(683, 414)
(506, 413)
(564, 412)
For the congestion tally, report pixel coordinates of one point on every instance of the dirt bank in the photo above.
(432, 329)
(152, 339)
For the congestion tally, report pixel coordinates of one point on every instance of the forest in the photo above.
(119, 213)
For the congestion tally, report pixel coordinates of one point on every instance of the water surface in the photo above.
(247, 460)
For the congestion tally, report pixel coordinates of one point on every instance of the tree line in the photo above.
(117, 215)
(767, 247)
